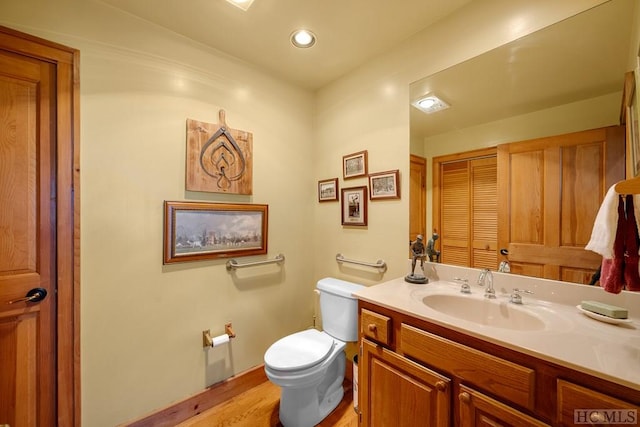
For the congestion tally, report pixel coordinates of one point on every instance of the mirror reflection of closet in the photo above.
(562, 80)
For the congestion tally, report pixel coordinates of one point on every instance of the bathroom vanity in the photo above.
(432, 356)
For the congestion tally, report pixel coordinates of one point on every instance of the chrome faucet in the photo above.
(464, 285)
(515, 297)
(486, 277)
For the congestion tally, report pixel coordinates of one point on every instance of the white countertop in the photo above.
(569, 338)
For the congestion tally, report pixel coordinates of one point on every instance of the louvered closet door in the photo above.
(455, 212)
(484, 213)
(468, 212)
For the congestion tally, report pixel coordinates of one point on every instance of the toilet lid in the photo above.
(300, 350)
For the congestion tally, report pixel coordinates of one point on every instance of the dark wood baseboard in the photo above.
(210, 397)
(200, 402)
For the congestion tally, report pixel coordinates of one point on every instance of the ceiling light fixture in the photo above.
(242, 4)
(303, 38)
(430, 103)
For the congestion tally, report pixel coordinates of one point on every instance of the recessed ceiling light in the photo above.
(303, 38)
(430, 103)
(242, 4)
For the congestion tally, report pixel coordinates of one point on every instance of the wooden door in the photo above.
(397, 392)
(549, 191)
(36, 229)
(465, 208)
(417, 198)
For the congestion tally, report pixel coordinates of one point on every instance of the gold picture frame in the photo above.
(196, 231)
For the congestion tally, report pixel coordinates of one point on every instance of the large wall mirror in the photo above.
(565, 78)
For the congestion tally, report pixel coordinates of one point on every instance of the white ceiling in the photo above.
(581, 57)
(349, 32)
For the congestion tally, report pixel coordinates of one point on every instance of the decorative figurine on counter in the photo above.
(417, 251)
(434, 256)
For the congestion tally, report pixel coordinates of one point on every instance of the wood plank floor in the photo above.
(258, 407)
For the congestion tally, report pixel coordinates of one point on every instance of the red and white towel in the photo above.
(615, 236)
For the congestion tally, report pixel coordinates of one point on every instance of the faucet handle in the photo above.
(464, 285)
(516, 298)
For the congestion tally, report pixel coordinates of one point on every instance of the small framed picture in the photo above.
(328, 190)
(354, 206)
(354, 165)
(384, 185)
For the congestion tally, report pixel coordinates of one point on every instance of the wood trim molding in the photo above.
(212, 396)
(465, 155)
(200, 402)
(627, 95)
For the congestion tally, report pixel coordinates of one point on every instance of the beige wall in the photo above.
(141, 321)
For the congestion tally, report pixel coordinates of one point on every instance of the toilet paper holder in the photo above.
(207, 339)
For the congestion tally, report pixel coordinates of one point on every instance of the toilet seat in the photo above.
(299, 351)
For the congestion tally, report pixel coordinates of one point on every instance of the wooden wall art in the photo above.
(219, 159)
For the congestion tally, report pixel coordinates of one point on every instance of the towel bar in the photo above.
(233, 264)
(380, 264)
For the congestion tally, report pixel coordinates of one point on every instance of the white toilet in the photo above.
(309, 365)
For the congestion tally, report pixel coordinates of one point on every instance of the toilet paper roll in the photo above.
(220, 340)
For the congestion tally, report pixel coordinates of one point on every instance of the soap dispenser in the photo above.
(504, 267)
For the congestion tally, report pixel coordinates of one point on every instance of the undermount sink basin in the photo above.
(497, 314)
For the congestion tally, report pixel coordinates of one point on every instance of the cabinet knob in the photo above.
(372, 327)
(464, 397)
(441, 386)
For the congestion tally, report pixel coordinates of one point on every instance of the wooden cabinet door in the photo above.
(478, 410)
(397, 392)
(549, 192)
(590, 407)
(36, 233)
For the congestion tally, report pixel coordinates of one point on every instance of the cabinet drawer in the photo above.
(587, 406)
(375, 326)
(506, 379)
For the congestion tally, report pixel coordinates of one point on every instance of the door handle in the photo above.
(34, 295)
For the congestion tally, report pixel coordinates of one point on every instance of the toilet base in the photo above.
(306, 407)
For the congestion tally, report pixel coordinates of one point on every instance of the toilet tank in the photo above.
(339, 309)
